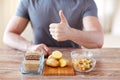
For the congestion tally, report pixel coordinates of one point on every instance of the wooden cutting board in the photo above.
(65, 71)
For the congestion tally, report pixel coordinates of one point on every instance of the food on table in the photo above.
(32, 55)
(82, 64)
(63, 62)
(31, 65)
(56, 60)
(31, 62)
(50, 56)
(52, 62)
(56, 54)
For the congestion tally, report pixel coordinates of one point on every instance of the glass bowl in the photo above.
(33, 65)
(83, 60)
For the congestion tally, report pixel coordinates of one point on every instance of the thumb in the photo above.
(62, 17)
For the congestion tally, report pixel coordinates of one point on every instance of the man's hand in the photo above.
(40, 47)
(60, 31)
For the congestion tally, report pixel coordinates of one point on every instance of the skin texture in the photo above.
(92, 37)
(13, 39)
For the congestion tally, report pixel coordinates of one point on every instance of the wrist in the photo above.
(71, 33)
(74, 34)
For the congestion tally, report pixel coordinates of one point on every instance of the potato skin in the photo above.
(56, 60)
(52, 62)
(63, 62)
(56, 54)
(50, 56)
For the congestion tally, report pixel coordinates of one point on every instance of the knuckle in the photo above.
(58, 37)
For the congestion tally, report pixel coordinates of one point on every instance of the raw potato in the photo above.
(50, 56)
(63, 62)
(56, 60)
(56, 54)
(52, 62)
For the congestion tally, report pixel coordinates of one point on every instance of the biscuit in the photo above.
(32, 55)
(31, 65)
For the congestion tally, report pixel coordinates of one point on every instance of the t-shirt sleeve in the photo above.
(90, 9)
(22, 9)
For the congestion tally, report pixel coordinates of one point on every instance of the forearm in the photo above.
(87, 39)
(16, 41)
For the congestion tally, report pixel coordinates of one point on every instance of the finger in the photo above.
(52, 30)
(47, 50)
(54, 34)
(62, 17)
(40, 48)
(45, 47)
(44, 51)
(54, 37)
(53, 25)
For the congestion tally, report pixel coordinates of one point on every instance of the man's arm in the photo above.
(13, 39)
(12, 33)
(91, 38)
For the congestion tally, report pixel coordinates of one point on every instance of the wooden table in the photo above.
(107, 67)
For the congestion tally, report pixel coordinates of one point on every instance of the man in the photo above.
(55, 23)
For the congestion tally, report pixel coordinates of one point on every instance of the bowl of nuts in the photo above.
(83, 60)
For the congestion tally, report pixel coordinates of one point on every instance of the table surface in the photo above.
(107, 66)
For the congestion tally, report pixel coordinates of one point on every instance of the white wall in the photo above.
(116, 22)
(107, 10)
(7, 10)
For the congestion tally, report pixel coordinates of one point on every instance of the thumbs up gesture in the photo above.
(60, 31)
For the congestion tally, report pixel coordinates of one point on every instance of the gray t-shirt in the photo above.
(41, 13)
